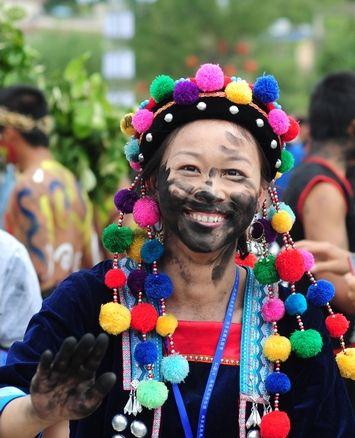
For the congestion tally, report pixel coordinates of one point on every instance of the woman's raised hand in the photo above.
(66, 388)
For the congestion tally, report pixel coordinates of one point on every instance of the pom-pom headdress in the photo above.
(211, 95)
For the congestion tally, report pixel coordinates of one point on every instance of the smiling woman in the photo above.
(201, 344)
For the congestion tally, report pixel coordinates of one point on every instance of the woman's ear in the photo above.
(262, 195)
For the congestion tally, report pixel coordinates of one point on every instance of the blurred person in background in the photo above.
(318, 188)
(20, 294)
(48, 211)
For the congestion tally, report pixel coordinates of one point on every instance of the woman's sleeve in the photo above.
(71, 310)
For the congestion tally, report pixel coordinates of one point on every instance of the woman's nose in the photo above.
(209, 196)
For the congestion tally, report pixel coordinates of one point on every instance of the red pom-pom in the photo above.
(151, 104)
(292, 132)
(337, 325)
(227, 80)
(290, 265)
(143, 317)
(115, 278)
(249, 260)
(275, 424)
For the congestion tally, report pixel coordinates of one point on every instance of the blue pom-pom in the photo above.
(321, 293)
(174, 368)
(282, 206)
(277, 383)
(266, 89)
(158, 286)
(152, 250)
(296, 304)
(146, 353)
(131, 150)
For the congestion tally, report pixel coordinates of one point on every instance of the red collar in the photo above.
(197, 340)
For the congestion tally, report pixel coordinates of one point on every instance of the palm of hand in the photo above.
(65, 388)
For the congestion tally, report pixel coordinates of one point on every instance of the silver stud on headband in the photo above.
(201, 106)
(149, 137)
(141, 158)
(259, 123)
(273, 144)
(168, 117)
(277, 164)
(233, 109)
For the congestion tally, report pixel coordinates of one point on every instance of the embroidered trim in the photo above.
(209, 359)
(156, 423)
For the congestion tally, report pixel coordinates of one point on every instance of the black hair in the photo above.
(332, 108)
(29, 101)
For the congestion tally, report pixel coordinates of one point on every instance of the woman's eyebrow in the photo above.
(194, 154)
(233, 154)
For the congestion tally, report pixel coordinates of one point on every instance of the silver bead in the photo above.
(201, 106)
(138, 429)
(273, 144)
(117, 435)
(253, 434)
(259, 123)
(277, 164)
(149, 137)
(141, 158)
(234, 109)
(168, 117)
(119, 423)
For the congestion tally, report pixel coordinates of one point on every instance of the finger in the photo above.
(82, 351)
(63, 357)
(44, 364)
(102, 387)
(97, 353)
(332, 266)
(316, 248)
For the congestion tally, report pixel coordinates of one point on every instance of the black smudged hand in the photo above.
(65, 388)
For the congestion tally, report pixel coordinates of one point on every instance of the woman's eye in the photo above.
(232, 172)
(189, 168)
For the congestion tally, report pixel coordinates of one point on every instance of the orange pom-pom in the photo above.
(143, 317)
(249, 260)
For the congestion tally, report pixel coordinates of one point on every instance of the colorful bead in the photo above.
(114, 318)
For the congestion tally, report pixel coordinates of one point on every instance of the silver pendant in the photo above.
(119, 423)
(253, 434)
(254, 418)
(133, 407)
(138, 429)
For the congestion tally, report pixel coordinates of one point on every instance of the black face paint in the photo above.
(176, 199)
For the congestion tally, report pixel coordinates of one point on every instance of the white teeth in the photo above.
(206, 218)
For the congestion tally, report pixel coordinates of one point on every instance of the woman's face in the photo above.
(209, 183)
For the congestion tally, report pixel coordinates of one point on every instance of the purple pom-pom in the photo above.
(321, 293)
(146, 353)
(158, 286)
(125, 199)
(269, 233)
(266, 89)
(135, 280)
(186, 93)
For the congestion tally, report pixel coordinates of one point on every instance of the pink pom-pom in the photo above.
(308, 259)
(210, 77)
(142, 120)
(146, 212)
(273, 310)
(279, 121)
(135, 166)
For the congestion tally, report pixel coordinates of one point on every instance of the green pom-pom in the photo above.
(306, 343)
(117, 239)
(265, 270)
(287, 161)
(162, 87)
(152, 394)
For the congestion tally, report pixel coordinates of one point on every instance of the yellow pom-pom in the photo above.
(278, 175)
(114, 318)
(346, 363)
(126, 124)
(166, 325)
(282, 222)
(134, 251)
(239, 92)
(277, 347)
